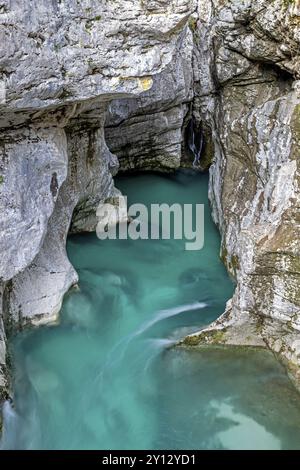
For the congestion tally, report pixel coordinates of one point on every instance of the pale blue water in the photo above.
(106, 377)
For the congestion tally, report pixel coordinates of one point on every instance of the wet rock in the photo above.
(248, 90)
(61, 65)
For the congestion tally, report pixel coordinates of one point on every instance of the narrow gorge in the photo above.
(152, 89)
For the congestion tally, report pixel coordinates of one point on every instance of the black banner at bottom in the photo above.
(133, 459)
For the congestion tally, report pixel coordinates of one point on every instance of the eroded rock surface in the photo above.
(146, 133)
(248, 90)
(61, 65)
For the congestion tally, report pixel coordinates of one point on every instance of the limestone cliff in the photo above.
(63, 65)
(247, 89)
(146, 133)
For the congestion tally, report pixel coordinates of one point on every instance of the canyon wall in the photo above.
(64, 66)
(248, 90)
(146, 133)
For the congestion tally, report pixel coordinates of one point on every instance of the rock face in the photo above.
(247, 89)
(63, 65)
(146, 133)
(35, 294)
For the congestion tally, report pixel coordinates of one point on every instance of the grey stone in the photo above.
(252, 105)
(147, 132)
(61, 64)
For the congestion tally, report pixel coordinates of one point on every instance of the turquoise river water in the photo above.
(107, 377)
